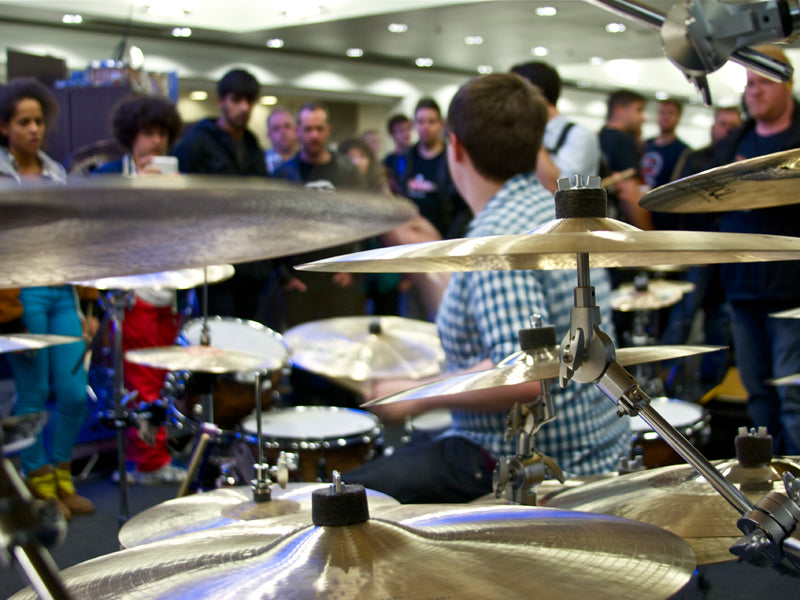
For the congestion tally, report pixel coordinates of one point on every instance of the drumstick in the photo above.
(615, 178)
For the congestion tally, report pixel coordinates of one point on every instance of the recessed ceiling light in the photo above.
(398, 27)
(182, 32)
(424, 62)
(268, 100)
(275, 43)
(198, 95)
(615, 27)
(540, 51)
(485, 69)
(546, 11)
(473, 40)
(72, 19)
(355, 52)
(661, 95)
(597, 60)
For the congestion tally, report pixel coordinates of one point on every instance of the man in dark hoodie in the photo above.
(225, 146)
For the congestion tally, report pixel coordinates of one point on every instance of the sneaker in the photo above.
(77, 504)
(42, 485)
(169, 473)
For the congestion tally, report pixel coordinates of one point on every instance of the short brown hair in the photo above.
(500, 120)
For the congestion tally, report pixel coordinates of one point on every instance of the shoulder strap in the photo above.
(561, 138)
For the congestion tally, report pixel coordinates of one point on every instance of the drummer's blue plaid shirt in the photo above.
(481, 314)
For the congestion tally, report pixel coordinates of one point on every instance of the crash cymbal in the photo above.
(19, 431)
(116, 226)
(364, 347)
(15, 342)
(677, 498)
(202, 359)
(229, 506)
(472, 552)
(793, 313)
(788, 380)
(759, 182)
(658, 294)
(521, 367)
(554, 245)
(182, 279)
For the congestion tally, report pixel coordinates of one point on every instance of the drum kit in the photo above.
(318, 540)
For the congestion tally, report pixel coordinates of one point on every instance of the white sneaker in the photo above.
(169, 473)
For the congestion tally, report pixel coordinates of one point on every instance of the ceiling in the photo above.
(436, 30)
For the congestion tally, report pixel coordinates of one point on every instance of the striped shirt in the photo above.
(480, 316)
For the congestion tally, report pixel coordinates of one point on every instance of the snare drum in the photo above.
(323, 437)
(689, 419)
(234, 394)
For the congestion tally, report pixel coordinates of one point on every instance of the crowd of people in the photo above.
(489, 167)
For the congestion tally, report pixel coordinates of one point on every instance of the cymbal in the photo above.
(229, 506)
(521, 367)
(793, 379)
(793, 313)
(472, 552)
(202, 359)
(678, 499)
(19, 431)
(15, 342)
(116, 226)
(364, 347)
(182, 279)
(554, 245)
(760, 182)
(660, 293)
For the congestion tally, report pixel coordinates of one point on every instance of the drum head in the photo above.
(330, 425)
(677, 413)
(433, 420)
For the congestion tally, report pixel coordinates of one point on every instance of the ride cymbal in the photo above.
(182, 279)
(202, 359)
(522, 367)
(472, 552)
(760, 182)
(228, 506)
(116, 226)
(556, 244)
(16, 342)
(361, 348)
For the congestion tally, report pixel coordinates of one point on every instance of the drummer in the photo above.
(147, 126)
(496, 124)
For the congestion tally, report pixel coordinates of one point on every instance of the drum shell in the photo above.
(318, 453)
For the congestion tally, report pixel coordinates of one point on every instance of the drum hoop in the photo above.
(254, 325)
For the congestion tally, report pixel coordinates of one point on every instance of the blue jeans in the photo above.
(768, 348)
(446, 469)
(51, 310)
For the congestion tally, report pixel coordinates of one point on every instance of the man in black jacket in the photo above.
(766, 347)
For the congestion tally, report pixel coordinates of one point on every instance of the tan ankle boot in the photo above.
(78, 505)
(42, 484)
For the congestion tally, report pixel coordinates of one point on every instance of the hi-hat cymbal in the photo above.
(792, 313)
(521, 367)
(115, 226)
(660, 293)
(182, 279)
(759, 182)
(361, 348)
(202, 359)
(15, 342)
(460, 552)
(229, 506)
(678, 499)
(554, 245)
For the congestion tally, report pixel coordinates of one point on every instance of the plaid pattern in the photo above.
(481, 314)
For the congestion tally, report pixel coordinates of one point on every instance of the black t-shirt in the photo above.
(752, 144)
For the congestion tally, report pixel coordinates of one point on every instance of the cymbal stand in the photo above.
(516, 476)
(27, 527)
(587, 355)
(261, 484)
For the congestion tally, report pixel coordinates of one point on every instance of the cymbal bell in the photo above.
(202, 359)
(16, 342)
(761, 182)
(531, 551)
(116, 226)
(229, 506)
(181, 279)
(361, 348)
(659, 293)
(555, 245)
(679, 500)
(521, 367)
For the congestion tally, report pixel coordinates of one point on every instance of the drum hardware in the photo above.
(587, 354)
(28, 526)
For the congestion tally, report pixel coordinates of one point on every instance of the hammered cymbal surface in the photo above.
(202, 359)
